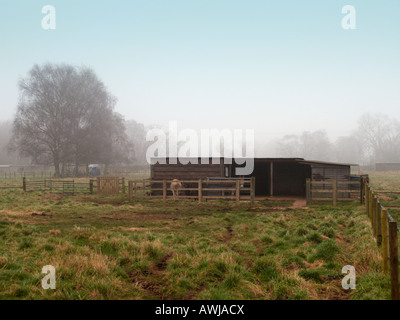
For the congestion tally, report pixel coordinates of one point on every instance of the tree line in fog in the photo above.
(65, 115)
(375, 139)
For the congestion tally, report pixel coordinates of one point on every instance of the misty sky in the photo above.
(276, 66)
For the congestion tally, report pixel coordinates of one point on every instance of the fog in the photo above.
(308, 86)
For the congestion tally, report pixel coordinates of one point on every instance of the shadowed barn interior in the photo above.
(273, 176)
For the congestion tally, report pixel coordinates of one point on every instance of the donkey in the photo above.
(175, 186)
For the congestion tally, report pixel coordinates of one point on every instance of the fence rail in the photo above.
(63, 186)
(67, 187)
(240, 189)
(385, 231)
(27, 174)
(333, 190)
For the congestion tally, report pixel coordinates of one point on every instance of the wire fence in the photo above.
(66, 187)
(26, 174)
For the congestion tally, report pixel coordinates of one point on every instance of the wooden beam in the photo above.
(271, 178)
(237, 191)
(379, 224)
(200, 190)
(164, 190)
(374, 215)
(253, 189)
(385, 241)
(394, 260)
(130, 190)
(334, 193)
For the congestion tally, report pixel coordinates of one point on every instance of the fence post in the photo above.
(200, 190)
(253, 189)
(130, 185)
(334, 193)
(376, 209)
(385, 241)
(308, 191)
(362, 200)
(91, 186)
(237, 191)
(370, 206)
(394, 260)
(135, 188)
(98, 185)
(374, 214)
(367, 199)
(378, 224)
(164, 190)
(24, 183)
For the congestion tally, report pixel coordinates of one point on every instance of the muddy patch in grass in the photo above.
(152, 280)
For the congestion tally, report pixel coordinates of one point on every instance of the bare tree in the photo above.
(136, 134)
(7, 157)
(111, 145)
(379, 136)
(310, 145)
(59, 111)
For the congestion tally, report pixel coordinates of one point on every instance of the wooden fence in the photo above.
(107, 185)
(385, 232)
(200, 190)
(333, 190)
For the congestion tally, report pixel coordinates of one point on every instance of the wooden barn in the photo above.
(273, 176)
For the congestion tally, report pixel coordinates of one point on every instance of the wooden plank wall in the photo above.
(188, 171)
(330, 172)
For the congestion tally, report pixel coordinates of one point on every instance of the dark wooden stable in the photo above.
(273, 176)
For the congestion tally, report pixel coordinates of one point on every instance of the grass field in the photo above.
(388, 181)
(109, 248)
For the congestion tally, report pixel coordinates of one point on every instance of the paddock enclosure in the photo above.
(273, 176)
(383, 167)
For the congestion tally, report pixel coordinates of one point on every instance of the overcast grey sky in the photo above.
(275, 66)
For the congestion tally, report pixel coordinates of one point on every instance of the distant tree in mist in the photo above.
(65, 115)
(136, 135)
(310, 145)
(376, 139)
(379, 136)
(7, 157)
